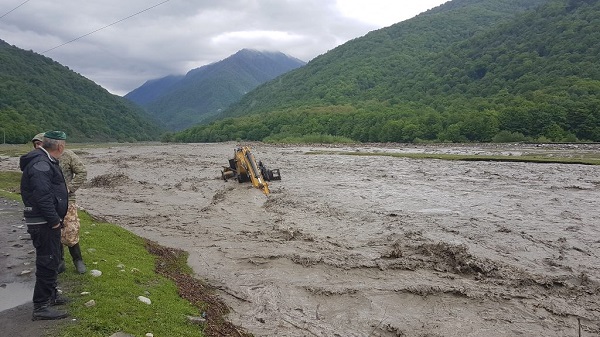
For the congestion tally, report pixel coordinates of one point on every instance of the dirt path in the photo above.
(371, 246)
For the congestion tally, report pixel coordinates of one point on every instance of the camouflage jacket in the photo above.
(74, 171)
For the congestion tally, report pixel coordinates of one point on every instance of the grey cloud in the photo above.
(172, 38)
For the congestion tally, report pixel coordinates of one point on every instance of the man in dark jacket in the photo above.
(75, 173)
(45, 197)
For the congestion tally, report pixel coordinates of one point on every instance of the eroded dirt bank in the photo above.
(370, 246)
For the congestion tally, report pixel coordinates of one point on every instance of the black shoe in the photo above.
(59, 300)
(48, 314)
(61, 266)
(80, 266)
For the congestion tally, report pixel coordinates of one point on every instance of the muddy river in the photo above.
(371, 245)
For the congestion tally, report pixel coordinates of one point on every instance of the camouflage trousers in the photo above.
(69, 235)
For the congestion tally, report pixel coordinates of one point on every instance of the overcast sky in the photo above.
(175, 36)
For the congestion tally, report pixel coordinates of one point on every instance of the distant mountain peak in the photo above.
(251, 51)
(182, 101)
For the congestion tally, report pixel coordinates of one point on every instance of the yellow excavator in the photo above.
(243, 167)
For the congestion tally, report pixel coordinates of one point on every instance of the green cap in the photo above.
(56, 135)
(39, 136)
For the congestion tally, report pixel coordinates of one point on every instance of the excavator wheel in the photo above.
(227, 174)
(241, 178)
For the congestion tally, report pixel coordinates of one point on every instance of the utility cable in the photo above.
(99, 29)
(12, 10)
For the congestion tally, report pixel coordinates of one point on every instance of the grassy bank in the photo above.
(467, 157)
(128, 271)
(131, 267)
(9, 185)
(14, 150)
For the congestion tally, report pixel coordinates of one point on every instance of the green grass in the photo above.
(14, 150)
(10, 180)
(17, 150)
(309, 139)
(9, 185)
(464, 157)
(128, 271)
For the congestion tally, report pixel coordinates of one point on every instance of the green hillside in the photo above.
(472, 70)
(37, 94)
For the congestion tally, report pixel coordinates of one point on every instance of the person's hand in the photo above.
(56, 226)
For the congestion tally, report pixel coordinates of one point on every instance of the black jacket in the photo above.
(43, 189)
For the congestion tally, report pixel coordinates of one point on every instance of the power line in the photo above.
(99, 29)
(12, 10)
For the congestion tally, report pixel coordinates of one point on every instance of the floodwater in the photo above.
(371, 245)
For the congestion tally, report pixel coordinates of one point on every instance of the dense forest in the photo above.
(471, 70)
(38, 94)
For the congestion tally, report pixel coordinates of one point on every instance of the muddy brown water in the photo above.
(371, 245)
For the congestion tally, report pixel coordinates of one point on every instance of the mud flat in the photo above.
(371, 245)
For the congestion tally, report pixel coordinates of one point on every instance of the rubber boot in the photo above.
(44, 312)
(77, 258)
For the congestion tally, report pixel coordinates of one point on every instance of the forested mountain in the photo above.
(469, 70)
(181, 102)
(38, 94)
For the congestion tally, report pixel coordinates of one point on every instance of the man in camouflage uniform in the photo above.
(75, 174)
